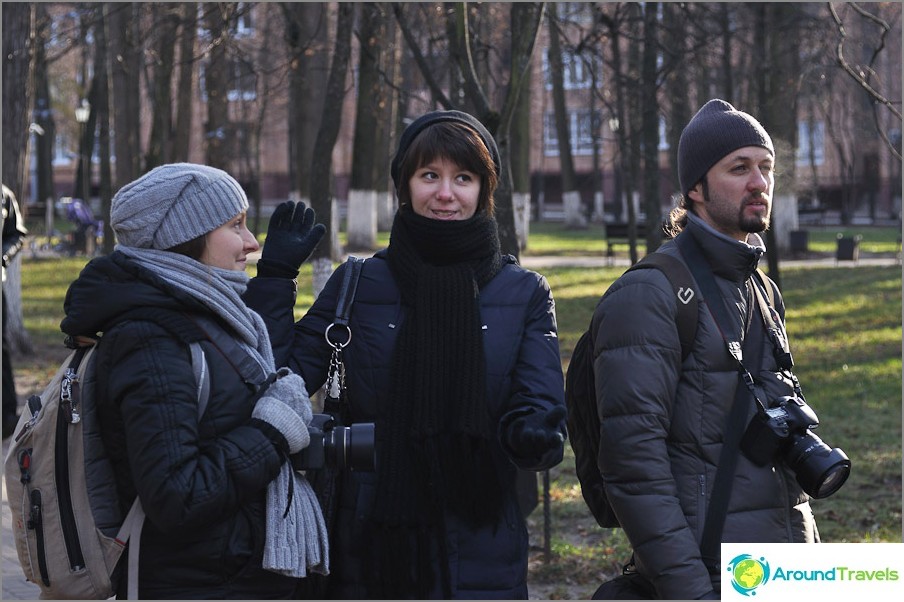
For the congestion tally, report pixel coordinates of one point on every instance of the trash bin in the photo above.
(800, 241)
(848, 248)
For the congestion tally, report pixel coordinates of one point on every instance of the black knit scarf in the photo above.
(435, 444)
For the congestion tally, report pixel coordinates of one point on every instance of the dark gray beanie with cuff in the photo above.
(716, 130)
(428, 119)
(173, 204)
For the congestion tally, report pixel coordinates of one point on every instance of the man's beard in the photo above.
(750, 225)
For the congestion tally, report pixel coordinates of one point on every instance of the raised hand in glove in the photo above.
(535, 434)
(291, 238)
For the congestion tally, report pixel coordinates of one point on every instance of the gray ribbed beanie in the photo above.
(173, 204)
(716, 130)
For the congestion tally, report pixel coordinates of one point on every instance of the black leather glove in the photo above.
(291, 238)
(537, 433)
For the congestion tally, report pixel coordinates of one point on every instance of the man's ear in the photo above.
(696, 193)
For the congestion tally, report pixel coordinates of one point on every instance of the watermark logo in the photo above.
(748, 573)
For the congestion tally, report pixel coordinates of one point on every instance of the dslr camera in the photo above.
(337, 447)
(785, 430)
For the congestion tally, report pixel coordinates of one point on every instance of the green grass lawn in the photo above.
(845, 330)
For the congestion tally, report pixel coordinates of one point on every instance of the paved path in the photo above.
(14, 586)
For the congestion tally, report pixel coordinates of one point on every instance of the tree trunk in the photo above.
(18, 38)
(101, 67)
(575, 216)
(307, 37)
(18, 41)
(166, 23)
(216, 129)
(520, 164)
(43, 116)
(124, 75)
(184, 94)
(330, 121)
(650, 128)
(361, 223)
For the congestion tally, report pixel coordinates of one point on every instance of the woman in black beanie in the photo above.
(455, 358)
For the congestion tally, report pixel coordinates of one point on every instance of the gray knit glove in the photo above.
(286, 407)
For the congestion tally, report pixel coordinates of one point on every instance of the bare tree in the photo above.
(571, 196)
(165, 18)
(184, 95)
(217, 19)
(18, 83)
(18, 38)
(45, 130)
(526, 18)
(307, 37)
(102, 84)
(649, 106)
(331, 120)
(371, 97)
(125, 69)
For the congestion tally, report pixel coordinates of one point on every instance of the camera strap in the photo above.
(728, 459)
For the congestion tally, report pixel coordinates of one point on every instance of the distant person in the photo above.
(454, 356)
(663, 418)
(14, 232)
(227, 517)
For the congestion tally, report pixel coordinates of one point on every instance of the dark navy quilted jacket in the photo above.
(524, 374)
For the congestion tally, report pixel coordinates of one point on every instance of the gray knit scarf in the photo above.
(296, 538)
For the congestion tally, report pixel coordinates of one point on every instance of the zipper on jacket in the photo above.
(704, 506)
(36, 522)
(67, 516)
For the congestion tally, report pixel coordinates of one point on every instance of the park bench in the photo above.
(617, 233)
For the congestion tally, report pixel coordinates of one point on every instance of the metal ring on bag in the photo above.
(338, 345)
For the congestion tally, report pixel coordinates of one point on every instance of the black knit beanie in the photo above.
(716, 130)
(428, 119)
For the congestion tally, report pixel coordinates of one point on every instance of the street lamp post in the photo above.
(82, 113)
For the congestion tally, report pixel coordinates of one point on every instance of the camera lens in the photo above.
(352, 447)
(820, 470)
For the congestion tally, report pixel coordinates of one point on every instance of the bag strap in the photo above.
(335, 382)
(134, 521)
(683, 284)
(353, 267)
(728, 459)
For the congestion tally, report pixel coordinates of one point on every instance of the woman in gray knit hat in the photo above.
(455, 358)
(227, 517)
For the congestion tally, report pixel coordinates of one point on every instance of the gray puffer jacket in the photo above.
(663, 419)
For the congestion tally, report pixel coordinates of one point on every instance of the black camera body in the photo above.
(785, 430)
(337, 447)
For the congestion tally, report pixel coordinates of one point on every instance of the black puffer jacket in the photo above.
(202, 483)
(524, 374)
(663, 420)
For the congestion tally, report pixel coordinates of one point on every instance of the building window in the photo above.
(811, 138)
(244, 19)
(241, 81)
(577, 71)
(580, 130)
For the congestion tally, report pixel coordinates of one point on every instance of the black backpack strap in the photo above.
(685, 294)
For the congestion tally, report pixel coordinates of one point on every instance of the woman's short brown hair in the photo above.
(455, 142)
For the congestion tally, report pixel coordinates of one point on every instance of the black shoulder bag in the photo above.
(631, 585)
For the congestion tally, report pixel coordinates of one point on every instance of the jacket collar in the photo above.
(729, 258)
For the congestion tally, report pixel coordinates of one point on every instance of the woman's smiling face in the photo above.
(442, 190)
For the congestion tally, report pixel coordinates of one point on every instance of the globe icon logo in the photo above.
(748, 573)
